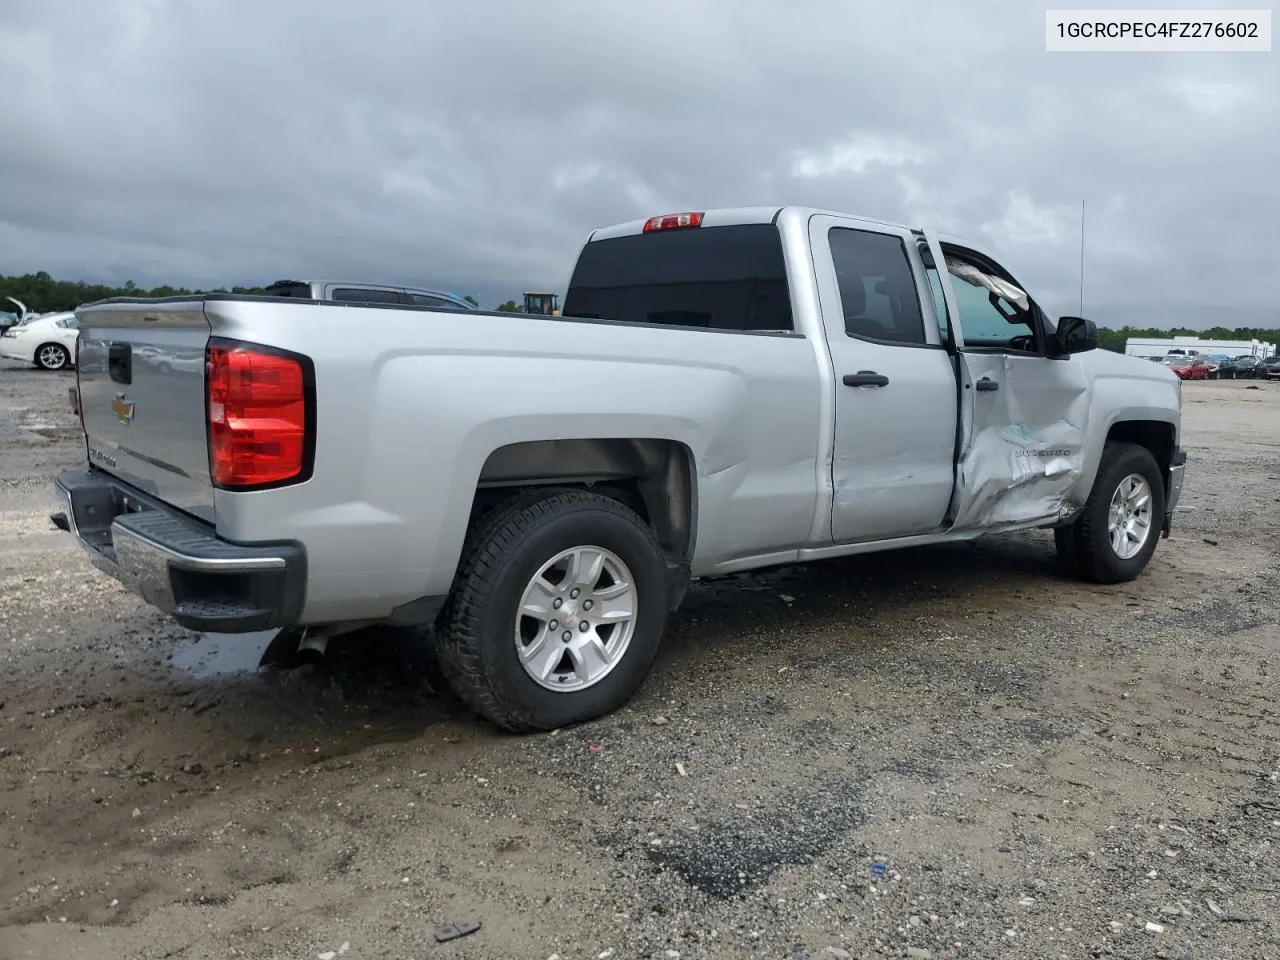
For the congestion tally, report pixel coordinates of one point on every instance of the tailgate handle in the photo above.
(986, 383)
(120, 362)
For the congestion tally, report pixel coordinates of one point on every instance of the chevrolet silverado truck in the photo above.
(723, 391)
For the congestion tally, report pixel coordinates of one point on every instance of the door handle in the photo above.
(120, 362)
(865, 378)
(986, 383)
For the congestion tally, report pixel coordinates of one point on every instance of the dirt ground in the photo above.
(937, 753)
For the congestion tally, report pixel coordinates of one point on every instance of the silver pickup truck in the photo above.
(724, 390)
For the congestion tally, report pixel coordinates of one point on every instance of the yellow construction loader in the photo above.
(547, 304)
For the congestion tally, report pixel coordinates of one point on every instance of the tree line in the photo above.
(1110, 339)
(43, 294)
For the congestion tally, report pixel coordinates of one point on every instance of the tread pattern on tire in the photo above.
(487, 548)
(1089, 559)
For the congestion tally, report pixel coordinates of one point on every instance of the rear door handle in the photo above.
(120, 362)
(865, 378)
(986, 383)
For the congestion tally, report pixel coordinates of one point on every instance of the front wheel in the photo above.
(1116, 532)
(557, 612)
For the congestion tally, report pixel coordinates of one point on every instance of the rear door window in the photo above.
(877, 287)
(716, 278)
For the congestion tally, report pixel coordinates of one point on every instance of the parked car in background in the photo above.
(1269, 368)
(49, 342)
(1242, 367)
(349, 292)
(1190, 369)
(167, 361)
(1219, 364)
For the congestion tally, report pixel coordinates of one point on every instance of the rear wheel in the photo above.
(557, 612)
(1117, 531)
(52, 356)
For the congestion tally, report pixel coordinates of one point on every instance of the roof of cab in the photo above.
(727, 216)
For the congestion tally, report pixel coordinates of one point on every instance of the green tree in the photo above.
(471, 300)
(510, 307)
(1115, 339)
(42, 294)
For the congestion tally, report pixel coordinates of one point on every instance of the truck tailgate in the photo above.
(141, 370)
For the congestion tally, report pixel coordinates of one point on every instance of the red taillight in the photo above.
(673, 221)
(257, 408)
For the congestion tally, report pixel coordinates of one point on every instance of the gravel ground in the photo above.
(940, 753)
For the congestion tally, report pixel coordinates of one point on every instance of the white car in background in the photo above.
(49, 342)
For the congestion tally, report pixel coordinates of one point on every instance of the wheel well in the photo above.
(1152, 434)
(654, 477)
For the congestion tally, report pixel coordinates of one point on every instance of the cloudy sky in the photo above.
(473, 147)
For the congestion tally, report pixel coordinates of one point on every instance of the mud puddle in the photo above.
(211, 656)
(364, 665)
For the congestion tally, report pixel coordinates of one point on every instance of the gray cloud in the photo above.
(475, 146)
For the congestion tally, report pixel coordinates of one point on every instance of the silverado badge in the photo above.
(123, 408)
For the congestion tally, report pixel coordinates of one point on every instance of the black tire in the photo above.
(1085, 546)
(56, 349)
(1064, 538)
(475, 642)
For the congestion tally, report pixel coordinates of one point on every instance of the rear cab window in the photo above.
(731, 278)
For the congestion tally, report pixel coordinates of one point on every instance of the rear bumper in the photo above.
(179, 565)
(1177, 474)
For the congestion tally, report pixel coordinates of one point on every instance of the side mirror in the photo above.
(1075, 335)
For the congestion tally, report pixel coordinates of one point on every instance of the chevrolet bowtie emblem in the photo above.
(123, 408)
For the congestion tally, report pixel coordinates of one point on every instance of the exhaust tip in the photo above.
(60, 521)
(312, 648)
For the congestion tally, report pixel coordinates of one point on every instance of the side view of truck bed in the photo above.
(723, 391)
